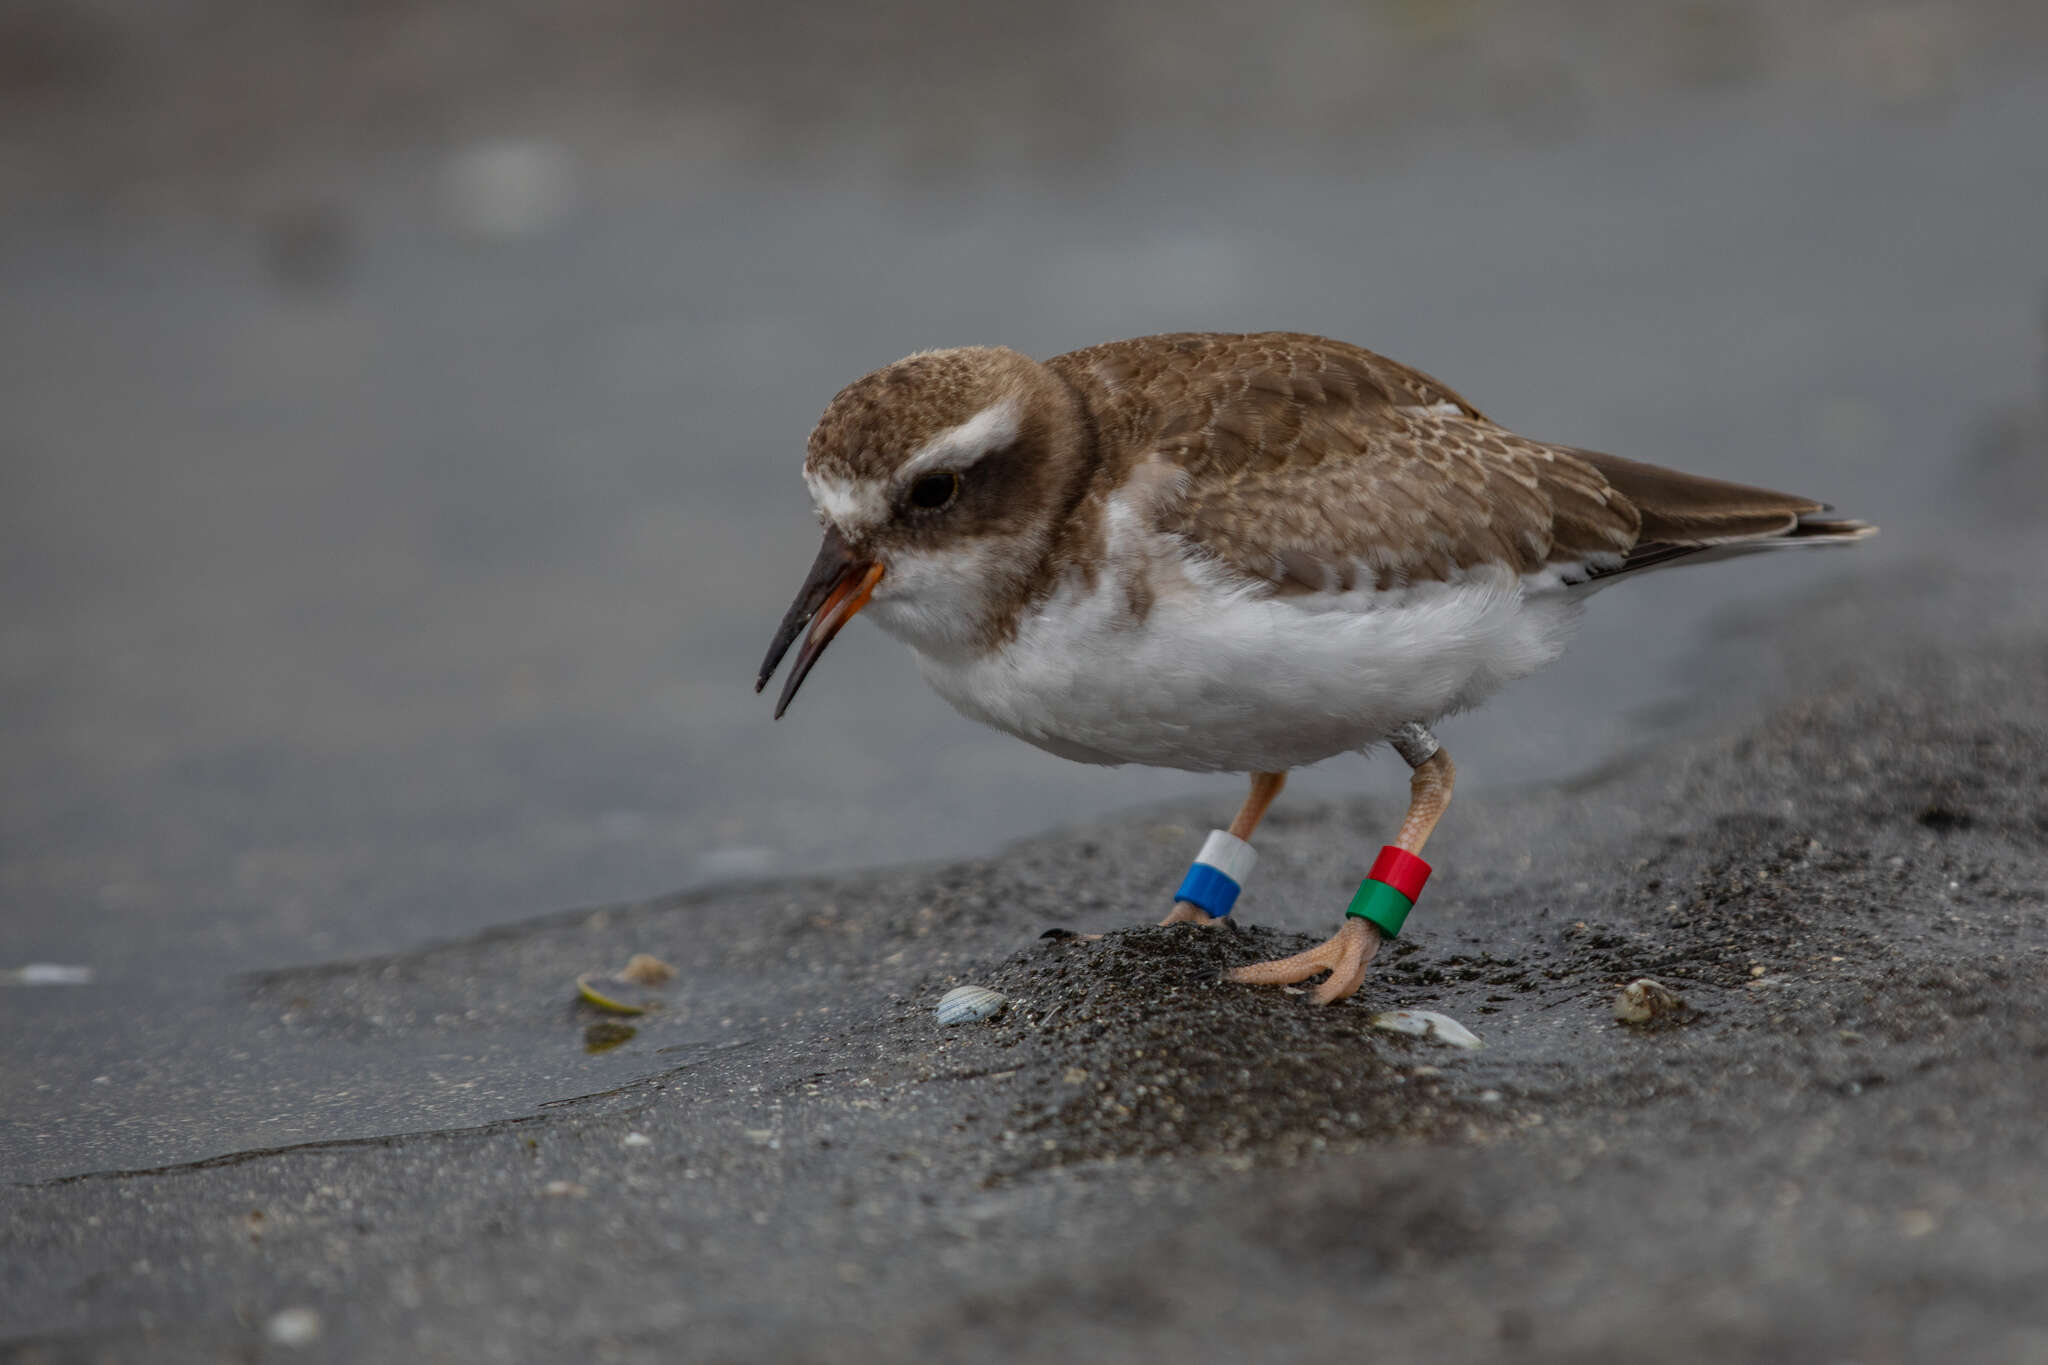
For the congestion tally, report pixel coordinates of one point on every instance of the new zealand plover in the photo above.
(1229, 553)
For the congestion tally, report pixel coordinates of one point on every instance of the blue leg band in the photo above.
(1208, 889)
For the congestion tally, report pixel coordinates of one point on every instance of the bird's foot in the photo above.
(1186, 912)
(1345, 956)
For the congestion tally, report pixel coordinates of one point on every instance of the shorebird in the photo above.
(1233, 553)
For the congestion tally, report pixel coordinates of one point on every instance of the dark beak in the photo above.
(836, 589)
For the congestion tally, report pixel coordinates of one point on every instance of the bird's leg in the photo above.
(1367, 924)
(1225, 860)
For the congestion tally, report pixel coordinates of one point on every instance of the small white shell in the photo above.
(969, 1004)
(48, 974)
(1644, 1000)
(1439, 1028)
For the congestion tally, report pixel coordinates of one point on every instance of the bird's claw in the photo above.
(1345, 956)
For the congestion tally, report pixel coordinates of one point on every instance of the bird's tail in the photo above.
(1687, 519)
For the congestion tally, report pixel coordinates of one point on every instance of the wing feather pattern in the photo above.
(1310, 462)
(1311, 465)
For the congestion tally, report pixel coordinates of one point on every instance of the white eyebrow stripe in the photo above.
(988, 431)
(852, 507)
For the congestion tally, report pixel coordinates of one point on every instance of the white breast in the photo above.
(1215, 677)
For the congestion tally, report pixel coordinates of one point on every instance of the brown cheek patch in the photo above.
(1003, 493)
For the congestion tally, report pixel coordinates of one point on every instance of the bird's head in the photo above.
(938, 480)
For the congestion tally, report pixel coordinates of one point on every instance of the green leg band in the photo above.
(1381, 905)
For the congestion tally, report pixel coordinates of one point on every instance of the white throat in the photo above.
(942, 602)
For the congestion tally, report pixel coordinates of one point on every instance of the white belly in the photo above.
(1216, 680)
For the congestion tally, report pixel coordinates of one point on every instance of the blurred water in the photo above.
(419, 588)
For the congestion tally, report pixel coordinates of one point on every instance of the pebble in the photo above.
(1642, 1001)
(645, 969)
(293, 1327)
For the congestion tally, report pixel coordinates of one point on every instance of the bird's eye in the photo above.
(934, 491)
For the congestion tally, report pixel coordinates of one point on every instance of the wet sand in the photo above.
(1837, 1152)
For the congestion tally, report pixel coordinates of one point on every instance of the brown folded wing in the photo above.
(1311, 464)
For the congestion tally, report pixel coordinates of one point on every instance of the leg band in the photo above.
(1414, 743)
(1219, 873)
(1390, 890)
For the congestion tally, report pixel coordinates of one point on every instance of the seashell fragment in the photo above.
(970, 1004)
(1644, 1001)
(633, 989)
(617, 995)
(1438, 1028)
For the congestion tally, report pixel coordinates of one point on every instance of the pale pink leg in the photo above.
(1265, 786)
(1347, 954)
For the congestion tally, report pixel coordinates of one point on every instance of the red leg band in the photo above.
(1400, 869)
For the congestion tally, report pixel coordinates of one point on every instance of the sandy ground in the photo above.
(1836, 1153)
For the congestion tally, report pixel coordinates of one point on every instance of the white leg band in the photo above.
(1230, 855)
(1218, 874)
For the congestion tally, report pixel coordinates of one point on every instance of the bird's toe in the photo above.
(1345, 956)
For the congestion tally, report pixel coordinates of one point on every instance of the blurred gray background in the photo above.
(401, 404)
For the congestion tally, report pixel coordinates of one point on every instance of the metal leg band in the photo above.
(1414, 743)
